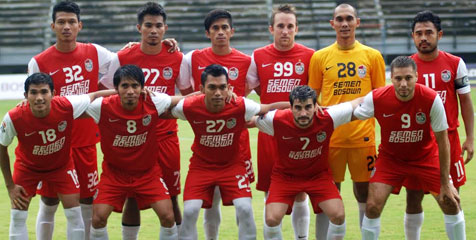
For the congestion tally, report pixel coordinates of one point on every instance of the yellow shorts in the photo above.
(361, 162)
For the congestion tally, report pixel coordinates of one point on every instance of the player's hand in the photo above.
(22, 103)
(449, 195)
(129, 45)
(147, 93)
(18, 197)
(468, 147)
(231, 97)
(319, 109)
(172, 43)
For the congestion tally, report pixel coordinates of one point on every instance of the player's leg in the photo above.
(275, 212)
(378, 195)
(163, 209)
(72, 211)
(130, 220)
(334, 209)
(454, 219)
(244, 213)
(413, 219)
(45, 220)
(191, 209)
(212, 217)
(300, 216)
(101, 213)
(322, 225)
(18, 228)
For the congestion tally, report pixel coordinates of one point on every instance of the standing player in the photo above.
(448, 76)
(341, 72)
(275, 70)
(128, 124)
(411, 117)
(216, 160)
(43, 127)
(219, 29)
(162, 73)
(74, 67)
(303, 141)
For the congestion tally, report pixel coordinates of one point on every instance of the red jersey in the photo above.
(278, 72)
(161, 72)
(236, 63)
(217, 135)
(128, 138)
(303, 152)
(75, 73)
(440, 75)
(44, 144)
(406, 127)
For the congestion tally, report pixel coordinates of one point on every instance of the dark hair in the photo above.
(402, 62)
(302, 93)
(128, 71)
(39, 78)
(215, 70)
(66, 6)
(427, 16)
(286, 8)
(216, 14)
(151, 8)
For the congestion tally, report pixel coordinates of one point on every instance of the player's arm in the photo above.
(277, 105)
(364, 108)
(343, 113)
(101, 93)
(106, 81)
(467, 112)
(252, 79)
(315, 75)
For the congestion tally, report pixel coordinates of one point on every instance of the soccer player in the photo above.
(75, 68)
(341, 72)
(302, 138)
(275, 70)
(219, 29)
(43, 127)
(162, 71)
(216, 159)
(448, 76)
(128, 124)
(411, 117)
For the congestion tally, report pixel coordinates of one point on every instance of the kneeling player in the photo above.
(303, 143)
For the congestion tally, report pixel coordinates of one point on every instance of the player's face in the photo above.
(220, 32)
(129, 91)
(303, 112)
(152, 29)
(39, 97)
(345, 22)
(426, 37)
(284, 30)
(66, 26)
(216, 90)
(404, 80)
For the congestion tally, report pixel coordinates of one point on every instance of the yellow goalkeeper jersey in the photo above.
(343, 75)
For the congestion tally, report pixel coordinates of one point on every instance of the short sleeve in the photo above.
(161, 101)
(265, 123)
(187, 70)
(315, 72)
(104, 57)
(462, 81)
(177, 111)
(33, 67)
(252, 76)
(94, 109)
(7, 131)
(183, 81)
(366, 109)
(252, 108)
(438, 115)
(341, 113)
(378, 71)
(80, 104)
(108, 77)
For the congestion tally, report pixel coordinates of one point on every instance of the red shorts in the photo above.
(169, 160)
(395, 173)
(245, 154)
(85, 162)
(116, 185)
(232, 181)
(267, 155)
(319, 189)
(63, 181)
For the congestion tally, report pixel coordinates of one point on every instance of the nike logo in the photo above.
(29, 134)
(53, 73)
(113, 120)
(195, 122)
(265, 65)
(200, 68)
(287, 138)
(327, 68)
(388, 115)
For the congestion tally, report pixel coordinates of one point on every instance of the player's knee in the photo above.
(414, 199)
(244, 210)
(272, 220)
(190, 211)
(449, 207)
(167, 218)
(338, 218)
(98, 221)
(373, 209)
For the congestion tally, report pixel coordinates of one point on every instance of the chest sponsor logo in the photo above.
(299, 68)
(233, 73)
(146, 120)
(88, 64)
(446, 75)
(231, 123)
(53, 73)
(29, 134)
(167, 73)
(62, 126)
(265, 65)
(388, 115)
(362, 71)
(420, 118)
(321, 136)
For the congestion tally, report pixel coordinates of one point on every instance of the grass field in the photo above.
(392, 217)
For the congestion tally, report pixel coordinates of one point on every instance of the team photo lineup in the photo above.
(98, 133)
